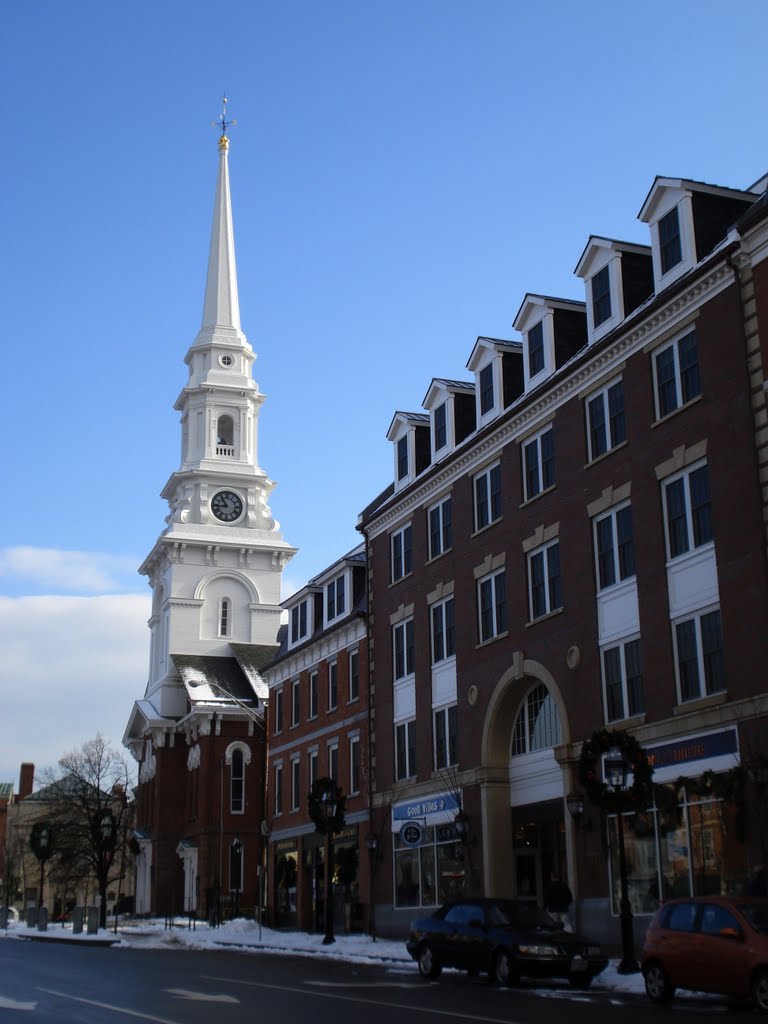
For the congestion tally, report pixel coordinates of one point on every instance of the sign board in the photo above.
(438, 809)
(411, 833)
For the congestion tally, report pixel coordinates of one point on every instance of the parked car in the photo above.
(710, 943)
(508, 939)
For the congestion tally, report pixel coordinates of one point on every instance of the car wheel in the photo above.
(760, 991)
(657, 984)
(504, 968)
(580, 980)
(428, 967)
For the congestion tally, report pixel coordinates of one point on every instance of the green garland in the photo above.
(639, 795)
(316, 806)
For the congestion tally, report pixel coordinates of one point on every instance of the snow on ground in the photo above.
(247, 936)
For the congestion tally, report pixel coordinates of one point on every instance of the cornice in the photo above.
(311, 654)
(633, 338)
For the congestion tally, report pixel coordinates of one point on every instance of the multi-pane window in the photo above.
(313, 695)
(614, 547)
(536, 349)
(669, 240)
(278, 716)
(699, 649)
(354, 764)
(403, 641)
(278, 789)
(676, 368)
(314, 758)
(402, 457)
(333, 685)
(441, 427)
(354, 675)
(299, 622)
(224, 617)
(443, 638)
(688, 511)
(539, 463)
(544, 594)
(335, 598)
(601, 296)
(237, 783)
(333, 762)
(440, 528)
(295, 702)
(492, 605)
(486, 389)
(623, 680)
(537, 725)
(487, 496)
(405, 749)
(606, 427)
(295, 783)
(445, 723)
(402, 552)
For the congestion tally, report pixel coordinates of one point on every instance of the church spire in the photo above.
(221, 307)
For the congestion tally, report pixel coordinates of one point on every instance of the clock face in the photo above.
(227, 506)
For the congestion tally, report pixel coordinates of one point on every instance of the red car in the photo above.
(710, 943)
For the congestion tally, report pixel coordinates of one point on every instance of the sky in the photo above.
(402, 173)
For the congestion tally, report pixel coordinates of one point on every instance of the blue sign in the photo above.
(697, 748)
(442, 805)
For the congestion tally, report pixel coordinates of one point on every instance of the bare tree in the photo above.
(90, 812)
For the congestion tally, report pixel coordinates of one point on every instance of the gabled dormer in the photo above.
(553, 330)
(618, 277)
(687, 220)
(451, 408)
(409, 433)
(342, 586)
(303, 618)
(498, 369)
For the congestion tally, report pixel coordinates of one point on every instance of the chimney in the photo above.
(26, 780)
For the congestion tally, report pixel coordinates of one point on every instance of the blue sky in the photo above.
(402, 173)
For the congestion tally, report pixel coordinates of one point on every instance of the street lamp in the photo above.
(372, 846)
(616, 778)
(328, 800)
(235, 871)
(575, 804)
(43, 846)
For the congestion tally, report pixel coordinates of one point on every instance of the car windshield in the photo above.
(757, 915)
(508, 914)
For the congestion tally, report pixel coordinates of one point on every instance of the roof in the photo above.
(6, 790)
(253, 659)
(661, 181)
(210, 680)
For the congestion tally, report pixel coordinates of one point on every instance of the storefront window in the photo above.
(431, 873)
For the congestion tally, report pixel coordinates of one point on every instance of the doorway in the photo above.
(538, 849)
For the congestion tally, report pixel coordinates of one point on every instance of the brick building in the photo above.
(576, 539)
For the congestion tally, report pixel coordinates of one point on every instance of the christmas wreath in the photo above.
(317, 807)
(639, 795)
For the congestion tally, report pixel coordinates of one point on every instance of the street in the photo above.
(65, 984)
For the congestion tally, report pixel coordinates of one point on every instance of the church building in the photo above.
(215, 571)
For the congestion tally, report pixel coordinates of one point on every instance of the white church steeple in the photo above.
(221, 307)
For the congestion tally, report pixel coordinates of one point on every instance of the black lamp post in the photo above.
(616, 778)
(106, 832)
(236, 869)
(43, 852)
(372, 846)
(329, 813)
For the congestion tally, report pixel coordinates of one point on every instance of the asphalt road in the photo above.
(64, 984)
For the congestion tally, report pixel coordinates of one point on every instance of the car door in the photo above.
(677, 942)
(722, 963)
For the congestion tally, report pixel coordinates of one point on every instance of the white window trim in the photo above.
(278, 784)
(542, 549)
(333, 665)
(400, 533)
(331, 747)
(279, 710)
(696, 617)
(443, 709)
(493, 411)
(496, 632)
(295, 640)
(314, 675)
(228, 631)
(295, 688)
(692, 549)
(295, 782)
(603, 395)
(354, 739)
(403, 625)
(621, 643)
(404, 724)
(350, 656)
(687, 238)
(674, 344)
(313, 766)
(441, 605)
(327, 619)
(439, 506)
(611, 514)
(485, 474)
(547, 322)
(535, 438)
(444, 448)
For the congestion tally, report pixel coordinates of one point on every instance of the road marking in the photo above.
(11, 1004)
(420, 1008)
(203, 997)
(108, 1006)
(364, 984)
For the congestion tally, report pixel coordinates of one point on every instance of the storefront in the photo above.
(429, 856)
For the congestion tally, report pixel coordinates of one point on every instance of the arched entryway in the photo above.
(522, 788)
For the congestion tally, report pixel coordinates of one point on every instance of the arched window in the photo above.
(225, 436)
(237, 782)
(537, 726)
(225, 617)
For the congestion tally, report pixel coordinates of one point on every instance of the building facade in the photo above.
(215, 571)
(575, 541)
(318, 729)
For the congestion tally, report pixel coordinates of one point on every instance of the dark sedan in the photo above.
(508, 939)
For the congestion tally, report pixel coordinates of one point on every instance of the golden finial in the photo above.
(223, 123)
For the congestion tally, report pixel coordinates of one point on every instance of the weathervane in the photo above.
(222, 122)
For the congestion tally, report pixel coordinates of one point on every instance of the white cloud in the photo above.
(89, 571)
(70, 667)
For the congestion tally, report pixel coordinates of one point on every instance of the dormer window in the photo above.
(441, 427)
(402, 457)
(601, 296)
(298, 622)
(669, 240)
(536, 349)
(335, 599)
(486, 389)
